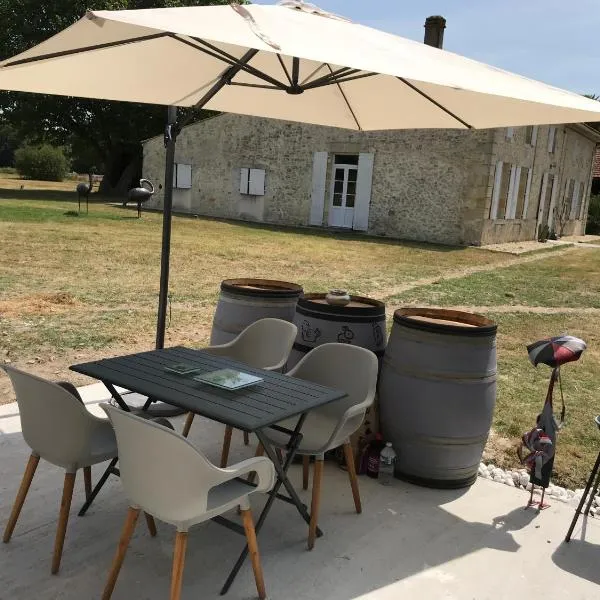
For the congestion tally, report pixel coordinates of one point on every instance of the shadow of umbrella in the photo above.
(580, 558)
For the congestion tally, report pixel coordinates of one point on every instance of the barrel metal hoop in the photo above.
(467, 378)
(304, 348)
(346, 317)
(421, 336)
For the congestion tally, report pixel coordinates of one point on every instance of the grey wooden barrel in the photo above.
(243, 301)
(437, 393)
(361, 323)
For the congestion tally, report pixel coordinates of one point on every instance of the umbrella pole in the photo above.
(170, 140)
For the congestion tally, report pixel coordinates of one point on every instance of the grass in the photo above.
(76, 288)
(566, 280)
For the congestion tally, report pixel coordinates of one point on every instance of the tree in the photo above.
(103, 133)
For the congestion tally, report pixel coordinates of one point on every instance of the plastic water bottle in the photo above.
(387, 460)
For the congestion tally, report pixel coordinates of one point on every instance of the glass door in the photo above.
(343, 191)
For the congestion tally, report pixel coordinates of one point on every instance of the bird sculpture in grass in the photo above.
(141, 194)
(83, 191)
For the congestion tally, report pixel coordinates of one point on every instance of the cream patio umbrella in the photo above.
(291, 61)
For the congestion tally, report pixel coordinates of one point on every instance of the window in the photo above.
(182, 176)
(552, 140)
(502, 187)
(581, 200)
(575, 193)
(510, 133)
(522, 193)
(252, 182)
(531, 135)
(346, 159)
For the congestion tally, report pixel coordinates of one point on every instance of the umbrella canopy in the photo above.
(556, 351)
(327, 70)
(292, 61)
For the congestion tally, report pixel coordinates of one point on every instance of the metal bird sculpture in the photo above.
(141, 194)
(83, 190)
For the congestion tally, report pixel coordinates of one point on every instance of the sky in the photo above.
(554, 41)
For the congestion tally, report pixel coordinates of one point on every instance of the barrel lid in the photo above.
(358, 305)
(439, 320)
(262, 287)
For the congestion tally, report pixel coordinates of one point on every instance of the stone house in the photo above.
(444, 186)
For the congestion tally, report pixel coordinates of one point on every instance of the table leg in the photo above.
(109, 470)
(282, 479)
(595, 473)
(118, 398)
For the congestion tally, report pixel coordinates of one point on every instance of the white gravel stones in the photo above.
(520, 479)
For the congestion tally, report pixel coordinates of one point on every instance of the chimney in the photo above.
(434, 31)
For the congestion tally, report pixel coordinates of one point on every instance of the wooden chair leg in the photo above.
(87, 480)
(63, 519)
(226, 446)
(151, 524)
(305, 471)
(178, 564)
(32, 464)
(316, 502)
(351, 466)
(246, 438)
(126, 533)
(188, 424)
(254, 554)
(260, 451)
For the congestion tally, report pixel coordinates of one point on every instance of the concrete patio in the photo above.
(410, 542)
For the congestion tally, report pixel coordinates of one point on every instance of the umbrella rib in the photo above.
(435, 102)
(255, 85)
(225, 57)
(342, 79)
(326, 78)
(62, 53)
(287, 74)
(346, 101)
(226, 77)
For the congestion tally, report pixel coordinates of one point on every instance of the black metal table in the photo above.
(251, 409)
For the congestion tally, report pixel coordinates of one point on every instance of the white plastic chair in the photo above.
(58, 428)
(168, 477)
(265, 344)
(344, 367)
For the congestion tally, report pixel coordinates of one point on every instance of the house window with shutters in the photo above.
(252, 182)
(522, 193)
(531, 135)
(182, 176)
(502, 187)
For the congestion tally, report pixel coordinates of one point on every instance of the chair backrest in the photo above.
(161, 471)
(342, 366)
(265, 344)
(55, 423)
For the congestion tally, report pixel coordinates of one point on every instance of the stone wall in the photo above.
(428, 185)
(572, 158)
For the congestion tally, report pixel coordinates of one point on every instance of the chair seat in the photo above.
(316, 432)
(103, 444)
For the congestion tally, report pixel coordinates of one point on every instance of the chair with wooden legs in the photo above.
(166, 476)
(265, 344)
(343, 367)
(58, 428)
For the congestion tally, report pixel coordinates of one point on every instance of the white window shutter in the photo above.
(527, 190)
(496, 191)
(574, 200)
(551, 136)
(534, 136)
(510, 201)
(542, 196)
(319, 175)
(364, 180)
(555, 188)
(256, 183)
(184, 176)
(510, 132)
(244, 180)
(175, 175)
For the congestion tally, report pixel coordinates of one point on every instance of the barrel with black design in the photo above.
(437, 393)
(243, 301)
(361, 322)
